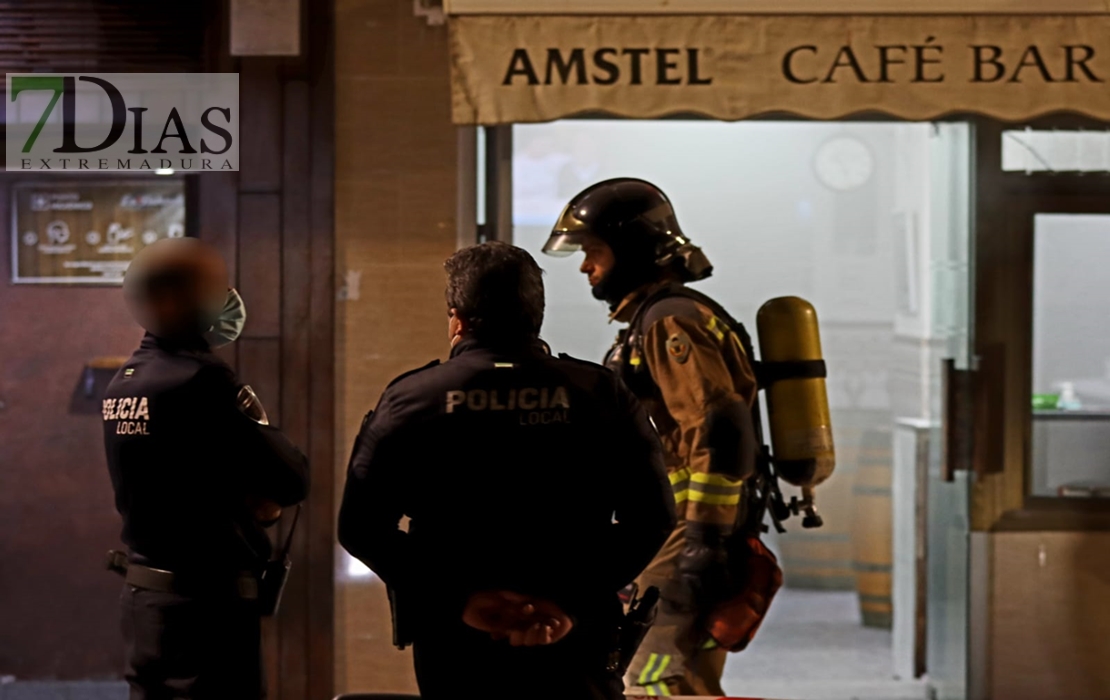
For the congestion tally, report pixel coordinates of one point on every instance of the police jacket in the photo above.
(518, 471)
(185, 460)
(689, 363)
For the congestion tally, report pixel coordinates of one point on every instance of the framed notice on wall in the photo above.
(88, 232)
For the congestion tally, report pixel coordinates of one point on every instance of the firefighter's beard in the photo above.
(622, 280)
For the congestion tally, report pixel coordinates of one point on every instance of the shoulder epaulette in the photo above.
(680, 299)
(411, 372)
(671, 305)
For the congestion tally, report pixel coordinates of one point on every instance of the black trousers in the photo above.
(460, 662)
(182, 648)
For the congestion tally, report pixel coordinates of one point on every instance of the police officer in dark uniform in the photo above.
(535, 490)
(198, 473)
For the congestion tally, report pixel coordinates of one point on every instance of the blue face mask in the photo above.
(229, 322)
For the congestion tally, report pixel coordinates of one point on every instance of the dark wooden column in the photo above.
(273, 222)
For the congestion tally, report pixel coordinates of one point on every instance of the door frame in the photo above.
(274, 220)
(1004, 204)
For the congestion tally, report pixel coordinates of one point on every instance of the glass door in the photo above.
(870, 222)
(1068, 464)
(947, 481)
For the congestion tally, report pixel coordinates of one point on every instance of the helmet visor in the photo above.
(567, 235)
(564, 243)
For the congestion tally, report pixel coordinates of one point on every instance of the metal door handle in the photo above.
(956, 423)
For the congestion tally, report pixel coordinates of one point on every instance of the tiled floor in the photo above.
(61, 690)
(812, 647)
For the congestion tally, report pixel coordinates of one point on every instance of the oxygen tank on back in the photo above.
(793, 378)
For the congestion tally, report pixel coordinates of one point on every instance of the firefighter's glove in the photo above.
(701, 565)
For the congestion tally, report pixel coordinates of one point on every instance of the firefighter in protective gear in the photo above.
(690, 369)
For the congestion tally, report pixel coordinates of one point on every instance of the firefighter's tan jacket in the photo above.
(698, 363)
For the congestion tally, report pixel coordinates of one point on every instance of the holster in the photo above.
(271, 583)
(402, 627)
(633, 628)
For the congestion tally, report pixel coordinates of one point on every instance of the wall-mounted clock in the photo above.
(843, 163)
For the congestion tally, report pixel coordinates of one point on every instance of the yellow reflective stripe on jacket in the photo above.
(713, 499)
(715, 489)
(653, 671)
(714, 328)
(680, 482)
(718, 480)
(662, 667)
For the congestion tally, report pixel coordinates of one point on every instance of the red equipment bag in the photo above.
(733, 623)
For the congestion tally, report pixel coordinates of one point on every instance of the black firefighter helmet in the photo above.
(636, 220)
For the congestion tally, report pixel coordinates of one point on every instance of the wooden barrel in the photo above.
(872, 529)
(821, 558)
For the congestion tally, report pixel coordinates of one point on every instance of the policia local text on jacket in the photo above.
(186, 459)
(510, 464)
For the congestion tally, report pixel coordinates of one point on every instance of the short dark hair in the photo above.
(497, 289)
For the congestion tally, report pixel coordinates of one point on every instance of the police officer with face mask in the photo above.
(535, 491)
(198, 473)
